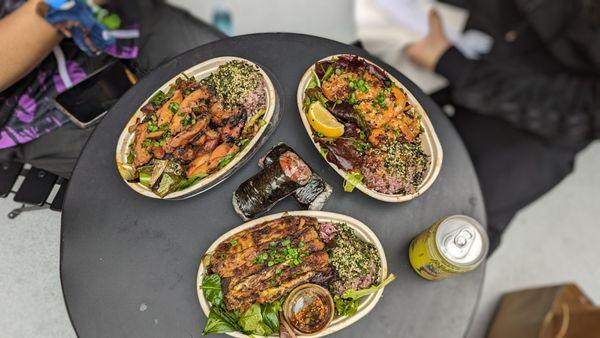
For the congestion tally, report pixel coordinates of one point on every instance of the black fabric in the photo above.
(543, 73)
(525, 109)
(514, 168)
(166, 31)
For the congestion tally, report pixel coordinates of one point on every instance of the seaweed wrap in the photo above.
(273, 183)
(314, 194)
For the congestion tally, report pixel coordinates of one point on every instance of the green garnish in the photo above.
(352, 180)
(174, 107)
(328, 73)
(356, 294)
(345, 307)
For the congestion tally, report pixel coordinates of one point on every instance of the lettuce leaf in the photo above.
(270, 314)
(221, 321)
(211, 288)
(345, 307)
(251, 321)
(352, 179)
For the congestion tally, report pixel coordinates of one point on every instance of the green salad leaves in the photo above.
(345, 307)
(262, 320)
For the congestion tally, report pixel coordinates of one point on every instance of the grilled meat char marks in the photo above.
(246, 280)
(266, 285)
(240, 249)
(240, 264)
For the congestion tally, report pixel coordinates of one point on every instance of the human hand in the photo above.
(427, 51)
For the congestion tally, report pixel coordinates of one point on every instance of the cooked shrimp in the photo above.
(375, 116)
(337, 87)
(410, 127)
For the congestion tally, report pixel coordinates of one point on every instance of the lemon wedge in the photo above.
(322, 121)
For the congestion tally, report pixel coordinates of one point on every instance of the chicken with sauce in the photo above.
(197, 128)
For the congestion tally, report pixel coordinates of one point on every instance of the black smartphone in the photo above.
(86, 102)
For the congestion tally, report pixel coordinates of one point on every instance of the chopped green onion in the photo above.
(174, 107)
(328, 73)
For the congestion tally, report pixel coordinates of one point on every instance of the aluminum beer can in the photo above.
(450, 246)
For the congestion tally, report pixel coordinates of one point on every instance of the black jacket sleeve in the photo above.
(564, 107)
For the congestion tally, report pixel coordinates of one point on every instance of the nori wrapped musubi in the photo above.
(314, 194)
(274, 182)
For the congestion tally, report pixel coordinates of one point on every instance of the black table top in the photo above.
(129, 263)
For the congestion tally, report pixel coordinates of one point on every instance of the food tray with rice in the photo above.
(300, 273)
(369, 128)
(197, 129)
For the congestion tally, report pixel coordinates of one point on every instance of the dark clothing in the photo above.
(525, 109)
(58, 150)
(543, 73)
(514, 168)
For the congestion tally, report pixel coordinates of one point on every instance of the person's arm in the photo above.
(563, 106)
(25, 40)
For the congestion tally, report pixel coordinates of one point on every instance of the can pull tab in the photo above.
(458, 242)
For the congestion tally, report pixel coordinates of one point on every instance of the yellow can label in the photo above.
(425, 258)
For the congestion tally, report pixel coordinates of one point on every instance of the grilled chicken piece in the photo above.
(188, 134)
(375, 86)
(185, 108)
(198, 166)
(220, 114)
(232, 130)
(375, 116)
(272, 294)
(247, 268)
(158, 152)
(184, 154)
(155, 134)
(218, 153)
(208, 140)
(142, 155)
(239, 264)
(164, 113)
(242, 293)
(264, 233)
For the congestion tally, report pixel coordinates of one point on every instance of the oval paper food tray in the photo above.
(361, 230)
(430, 142)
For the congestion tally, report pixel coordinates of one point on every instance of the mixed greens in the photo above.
(258, 319)
(375, 135)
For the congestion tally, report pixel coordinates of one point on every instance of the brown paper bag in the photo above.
(551, 312)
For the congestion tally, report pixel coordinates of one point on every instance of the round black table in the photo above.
(129, 263)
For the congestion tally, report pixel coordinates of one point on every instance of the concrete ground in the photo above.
(552, 241)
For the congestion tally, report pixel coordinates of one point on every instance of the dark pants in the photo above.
(514, 167)
(166, 31)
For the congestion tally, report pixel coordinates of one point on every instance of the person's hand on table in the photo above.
(427, 51)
